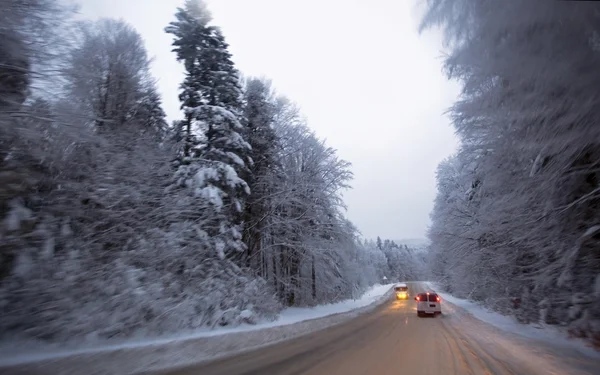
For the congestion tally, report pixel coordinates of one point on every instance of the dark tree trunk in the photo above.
(294, 277)
(282, 274)
(274, 271)
(188, 135)
(314, 279)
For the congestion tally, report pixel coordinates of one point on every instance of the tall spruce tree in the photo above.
(211, 99)
(259, 112)
(188, 31)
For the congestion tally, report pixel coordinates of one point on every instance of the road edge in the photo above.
(156, 358)
(342, 318)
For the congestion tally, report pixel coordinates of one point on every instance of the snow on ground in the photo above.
(298, 314)
(136, 356)
(549, 334)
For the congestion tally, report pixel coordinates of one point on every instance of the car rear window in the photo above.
(401, 288)
(433, 298)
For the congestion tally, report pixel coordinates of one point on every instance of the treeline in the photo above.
(115, 223)
(398, 262)
(516, 222)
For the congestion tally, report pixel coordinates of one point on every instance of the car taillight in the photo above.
(437, 299)
(418, 298)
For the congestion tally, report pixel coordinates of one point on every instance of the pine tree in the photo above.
(259, 111)
(151, 114)
(189, 30)
(212, 101)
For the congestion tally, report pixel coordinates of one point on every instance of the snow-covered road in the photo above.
(393, 340)
(370, 336)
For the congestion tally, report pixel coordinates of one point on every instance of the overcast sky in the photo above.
(365, 79)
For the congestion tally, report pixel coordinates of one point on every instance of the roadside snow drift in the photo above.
(540, 332)
(298, 314)
(137, 356)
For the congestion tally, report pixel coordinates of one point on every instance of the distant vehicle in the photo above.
(401, 291)
(428, 303)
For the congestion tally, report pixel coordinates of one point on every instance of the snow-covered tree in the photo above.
(114, 225)
(401, 263)
(259, 114)
(108, 76)
(211, 99)
(306, 235)
(516, 212)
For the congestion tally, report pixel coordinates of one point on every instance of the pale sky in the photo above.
(364, 78)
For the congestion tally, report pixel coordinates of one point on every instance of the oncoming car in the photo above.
(428, 303)
(401, 291)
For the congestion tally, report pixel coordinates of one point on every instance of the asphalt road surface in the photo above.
(393, 340)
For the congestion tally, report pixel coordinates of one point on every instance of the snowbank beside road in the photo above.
(137, 356)
(506, 323)
(298, 314)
